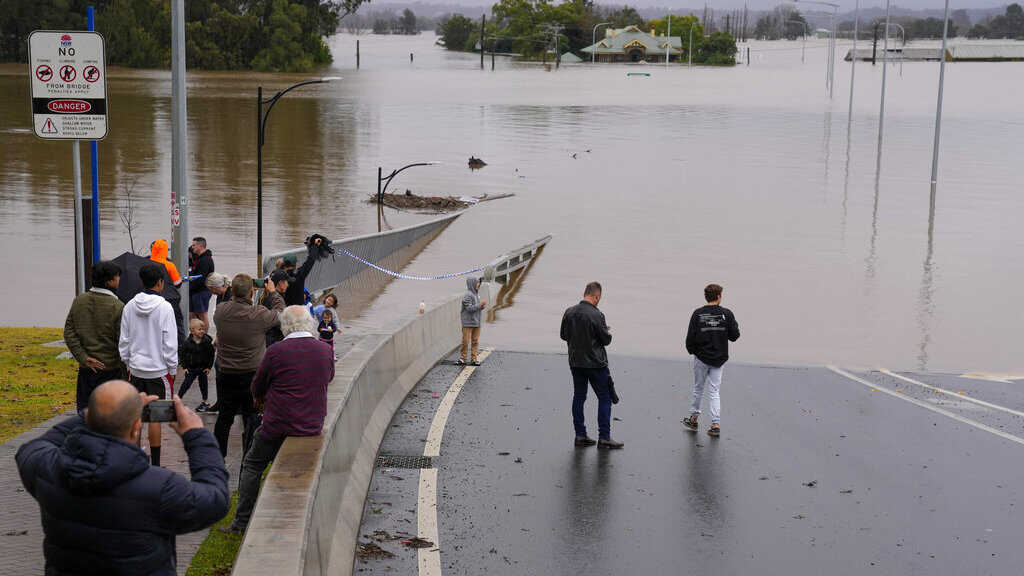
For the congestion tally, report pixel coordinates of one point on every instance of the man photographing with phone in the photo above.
(105, 509)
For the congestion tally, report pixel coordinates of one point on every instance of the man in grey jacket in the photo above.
(471, 307)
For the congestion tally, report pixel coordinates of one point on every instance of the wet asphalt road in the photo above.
(814, 474)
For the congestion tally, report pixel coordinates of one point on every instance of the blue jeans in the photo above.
(598, 380)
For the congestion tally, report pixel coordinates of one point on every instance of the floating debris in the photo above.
(367, 551)
(476, 163)
(417, 542)
(811, 484)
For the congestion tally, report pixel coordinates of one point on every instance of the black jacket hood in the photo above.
(92, 463)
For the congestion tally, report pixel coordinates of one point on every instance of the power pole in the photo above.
(179, 147)
(483, 25)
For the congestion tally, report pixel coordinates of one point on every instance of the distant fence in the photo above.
(386, 249)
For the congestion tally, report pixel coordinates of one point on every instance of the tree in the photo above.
(767, 26)
(284, 51)
(680, 26)
(407, 23)
(718, 49)
(456, 30)
(795, 25)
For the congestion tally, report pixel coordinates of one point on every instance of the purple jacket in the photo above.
(293, 378)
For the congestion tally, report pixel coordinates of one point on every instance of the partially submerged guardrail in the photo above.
(499, 269)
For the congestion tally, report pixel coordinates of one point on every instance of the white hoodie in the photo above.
(149, 336)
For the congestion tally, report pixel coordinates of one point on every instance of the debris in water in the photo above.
(520, 494)
(367, 551)
(503, 453)
(850, 491)
(762, 477)
(518, 460)
(811, 484)
(798, 517)
(476, 163)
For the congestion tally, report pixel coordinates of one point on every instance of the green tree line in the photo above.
(266, 35)
(530, 28)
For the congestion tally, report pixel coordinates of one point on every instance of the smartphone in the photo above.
(159, 411)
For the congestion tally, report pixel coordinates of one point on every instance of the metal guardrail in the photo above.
(499, 269)
(376, 248)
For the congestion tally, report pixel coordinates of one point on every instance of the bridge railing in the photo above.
(499, 269)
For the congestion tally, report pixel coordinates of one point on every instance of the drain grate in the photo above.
(395, 461)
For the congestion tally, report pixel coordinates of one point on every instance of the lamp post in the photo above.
(831, 51)
(903, 45)
(261, 127)
(853, 66)
(386, 180)
(938, 106)
(593, 39)
(803, 48)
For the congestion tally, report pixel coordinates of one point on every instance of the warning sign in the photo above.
(69, 91)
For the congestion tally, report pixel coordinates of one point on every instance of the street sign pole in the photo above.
(94, 156)
(79, 228)
(179, 146)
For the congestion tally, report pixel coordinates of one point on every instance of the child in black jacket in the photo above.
(197, 358)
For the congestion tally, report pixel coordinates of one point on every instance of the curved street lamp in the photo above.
(386, 180)
(689, 54)
(830, 53)
(803, 48)
(593, 39)
(261, 128)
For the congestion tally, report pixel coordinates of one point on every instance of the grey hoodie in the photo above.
(471, 305)
(149, 336)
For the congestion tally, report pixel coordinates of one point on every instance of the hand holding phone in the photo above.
(159, 411)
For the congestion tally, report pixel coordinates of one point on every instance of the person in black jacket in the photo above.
(711, 329)
(296, 294)
(105, 510)
(200, 264)
(585, 331)
(196, 356)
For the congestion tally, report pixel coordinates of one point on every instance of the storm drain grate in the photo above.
(394, 461)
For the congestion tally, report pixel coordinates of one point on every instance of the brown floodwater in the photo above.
(655, 186)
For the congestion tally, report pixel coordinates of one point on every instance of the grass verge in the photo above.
(216, 555)
(34, 385)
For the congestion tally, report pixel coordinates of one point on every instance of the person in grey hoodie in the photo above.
(149, 344)
(471, 307)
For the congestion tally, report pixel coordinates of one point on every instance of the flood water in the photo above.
(655, 186)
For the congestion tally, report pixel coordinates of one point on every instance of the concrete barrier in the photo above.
(308, 514)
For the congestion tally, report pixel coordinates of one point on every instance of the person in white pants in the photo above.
(711, 329)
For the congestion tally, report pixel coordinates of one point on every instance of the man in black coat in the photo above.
(296, 294)
(105, 510)
(200, 261)
(711, 329)
(585, 331)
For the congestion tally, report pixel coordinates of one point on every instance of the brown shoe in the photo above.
(583, 441)
(609, 444)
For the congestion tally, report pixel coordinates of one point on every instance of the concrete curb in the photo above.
(308, 514)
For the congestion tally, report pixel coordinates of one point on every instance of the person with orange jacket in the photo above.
(158, 253)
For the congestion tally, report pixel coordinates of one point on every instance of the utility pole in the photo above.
(853, 64)
(483, 25)
(938, 106)
(885, 67)
(874, 43)
(179, 147)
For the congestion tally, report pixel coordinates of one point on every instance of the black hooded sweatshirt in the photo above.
(711, 329)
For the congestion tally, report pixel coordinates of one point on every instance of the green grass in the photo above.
(34, 385)
(216, 555)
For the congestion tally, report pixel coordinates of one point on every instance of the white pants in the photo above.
(712, 377)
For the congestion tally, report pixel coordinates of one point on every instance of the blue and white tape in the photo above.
(407, 276)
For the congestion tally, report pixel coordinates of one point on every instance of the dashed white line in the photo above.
(429, 559)
(953, 394)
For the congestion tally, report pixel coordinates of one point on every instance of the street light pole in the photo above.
(803, 48)
(938, 106)
(261, 128)
(689, 53)
(593, 40)
(853, 64)
(830, 50)
(885, 61)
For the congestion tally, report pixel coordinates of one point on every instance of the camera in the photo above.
(159, 411)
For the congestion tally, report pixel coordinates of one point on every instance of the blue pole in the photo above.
(95, 174)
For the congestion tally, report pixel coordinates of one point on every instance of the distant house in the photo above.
(630, 44)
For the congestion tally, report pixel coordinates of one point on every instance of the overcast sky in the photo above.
(693, 5)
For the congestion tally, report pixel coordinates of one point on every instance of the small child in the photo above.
(197, 358)
(328, 327)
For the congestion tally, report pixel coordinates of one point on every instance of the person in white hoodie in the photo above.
(149, 344)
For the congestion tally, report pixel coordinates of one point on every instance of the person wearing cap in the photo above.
(281, 281)
(296, 294)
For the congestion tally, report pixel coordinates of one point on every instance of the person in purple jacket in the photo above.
(290, 387)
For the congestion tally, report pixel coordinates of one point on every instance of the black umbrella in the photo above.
(131, 285)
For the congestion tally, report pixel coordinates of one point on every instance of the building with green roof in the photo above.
(630, 44)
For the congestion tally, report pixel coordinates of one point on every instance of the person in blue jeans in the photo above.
(586, 333)
(711, 329)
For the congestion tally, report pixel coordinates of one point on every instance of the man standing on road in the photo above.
(104, 509)
(149, 344)
(200, 264)
(471, 307)
(711, 329)
(584, 328)
(291, 386)
(241, 343)
(92, 330)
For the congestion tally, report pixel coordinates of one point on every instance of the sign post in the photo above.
(69, 102)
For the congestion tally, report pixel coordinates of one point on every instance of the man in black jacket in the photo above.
(200, 264)
(584, 329)
(105, 510)
(711, 329)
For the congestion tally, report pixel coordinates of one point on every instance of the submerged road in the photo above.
(817, 471)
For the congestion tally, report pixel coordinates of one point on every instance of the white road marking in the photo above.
(429, 559)
(433, 445)
(953, 394)
(927, 406)
(426, 523)
(997, 377)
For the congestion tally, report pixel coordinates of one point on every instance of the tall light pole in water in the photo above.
(938, 106)
(689, 53)
(830, 52)
(885, 61)
(803, 47)
(179, 148)
(261, 127)
(593, 38)
(853, 64)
